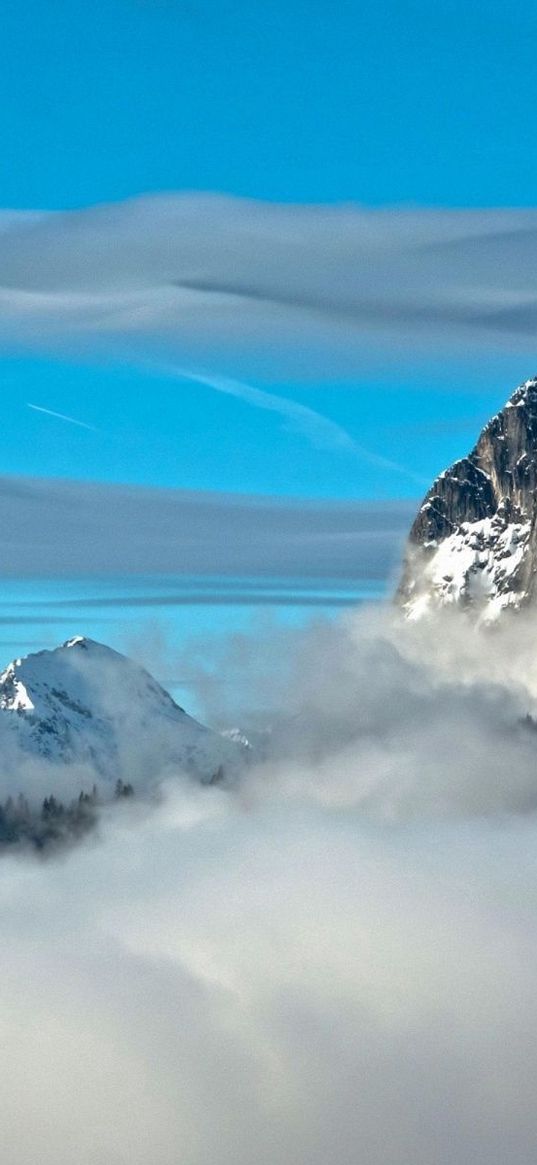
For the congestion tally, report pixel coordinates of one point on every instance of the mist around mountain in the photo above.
(88, 707)
(331, 957)
(81, 726)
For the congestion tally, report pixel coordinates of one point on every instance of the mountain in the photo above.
(473, 543)
(84, 704)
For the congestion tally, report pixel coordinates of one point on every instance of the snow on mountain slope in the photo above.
(474, 541)
(84, 704)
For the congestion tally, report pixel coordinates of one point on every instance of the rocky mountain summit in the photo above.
(90, 707)
(474, 542)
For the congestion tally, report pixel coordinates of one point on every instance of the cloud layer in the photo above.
(222, 284)
(334, 961)
(62, 528)
(291, 987)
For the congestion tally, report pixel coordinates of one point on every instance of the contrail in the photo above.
(62, 417)
(317, 428)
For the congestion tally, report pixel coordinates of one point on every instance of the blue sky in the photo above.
(392, 103)
(286, 99)
(147, 429)
(402, 103)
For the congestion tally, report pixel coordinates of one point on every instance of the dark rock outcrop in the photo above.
(474, 538)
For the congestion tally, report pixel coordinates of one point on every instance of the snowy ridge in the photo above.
(84, 704)
(473, 543)
(477, 564)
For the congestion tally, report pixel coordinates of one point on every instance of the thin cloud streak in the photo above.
(318, 429)
(246, 598)
(34, 620)
(61, 417)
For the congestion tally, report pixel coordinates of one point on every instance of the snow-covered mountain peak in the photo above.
(89, 675)
(474, 543)
(84, 703)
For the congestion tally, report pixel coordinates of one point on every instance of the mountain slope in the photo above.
(474, 542)
(85, 704)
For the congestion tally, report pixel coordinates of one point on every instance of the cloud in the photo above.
(257, 596)
(218, 284)
(322, 432)
(398, 715)
(61, 528)
(381, 984)
(334, 961)
(317, 428)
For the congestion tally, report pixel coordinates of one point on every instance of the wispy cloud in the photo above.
(253, 596)
(62, 417)
(317, 428)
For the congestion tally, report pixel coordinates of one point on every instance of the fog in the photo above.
(333, 959)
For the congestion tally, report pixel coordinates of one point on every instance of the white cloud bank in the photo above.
(291, 986)
(223, 284)
(335, 962)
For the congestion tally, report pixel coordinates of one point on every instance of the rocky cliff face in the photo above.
(474, 539)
